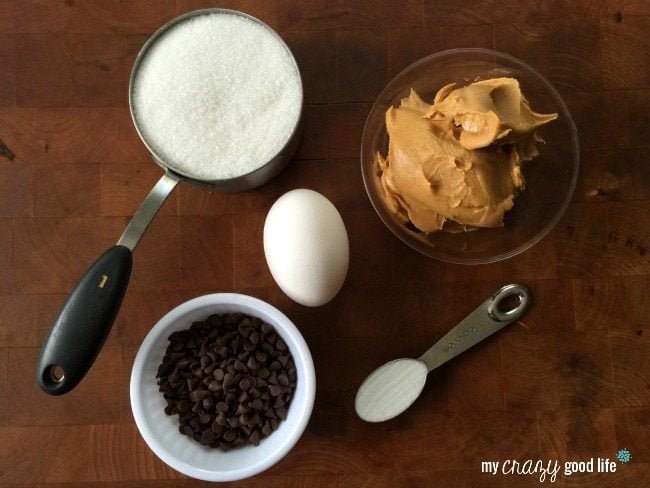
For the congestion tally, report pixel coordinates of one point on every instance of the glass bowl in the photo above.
(549, 179)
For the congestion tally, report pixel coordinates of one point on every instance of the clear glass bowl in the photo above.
(550, 178)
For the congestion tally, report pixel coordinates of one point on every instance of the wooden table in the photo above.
(570, 383)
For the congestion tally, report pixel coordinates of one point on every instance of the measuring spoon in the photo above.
(392, 388)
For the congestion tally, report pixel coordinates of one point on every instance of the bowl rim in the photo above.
(365, 172)
(302, 358)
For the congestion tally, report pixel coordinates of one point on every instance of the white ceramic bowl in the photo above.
(160, 431)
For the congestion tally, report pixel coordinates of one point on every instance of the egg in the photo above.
(306, 247)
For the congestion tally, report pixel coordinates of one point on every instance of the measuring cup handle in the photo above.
(79, 331)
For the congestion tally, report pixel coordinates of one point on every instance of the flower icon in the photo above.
(624, 456)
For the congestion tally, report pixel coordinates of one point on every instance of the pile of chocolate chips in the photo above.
(230, 379)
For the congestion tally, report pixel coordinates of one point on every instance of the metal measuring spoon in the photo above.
(393, 387)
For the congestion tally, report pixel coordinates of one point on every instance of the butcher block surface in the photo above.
(569, 382)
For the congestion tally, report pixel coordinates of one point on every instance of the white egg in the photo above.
(306, 247)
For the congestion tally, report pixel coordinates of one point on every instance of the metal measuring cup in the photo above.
(83, 323)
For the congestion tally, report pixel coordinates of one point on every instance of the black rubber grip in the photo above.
(79, 331)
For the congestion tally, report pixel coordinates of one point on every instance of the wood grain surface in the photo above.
(571, 382)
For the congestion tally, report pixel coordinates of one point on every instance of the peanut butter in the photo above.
(456, 164)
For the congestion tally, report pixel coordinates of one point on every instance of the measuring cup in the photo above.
(81, 327)
(393, 387)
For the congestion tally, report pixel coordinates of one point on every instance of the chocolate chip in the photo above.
(207, 437)
(208, 403)
(198, 395)
(205, 360)
(245, 327)
(292, 376)
(283, 379)
(251, 364)
(244, 384)
(239, 365)
(263, 373)
(183, 363)
(228, 381)
(254, 338)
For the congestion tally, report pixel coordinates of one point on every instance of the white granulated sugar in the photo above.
(217, 96)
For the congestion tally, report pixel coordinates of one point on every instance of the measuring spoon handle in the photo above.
(484, 321)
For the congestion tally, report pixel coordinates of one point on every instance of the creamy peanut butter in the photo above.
(456, 164)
